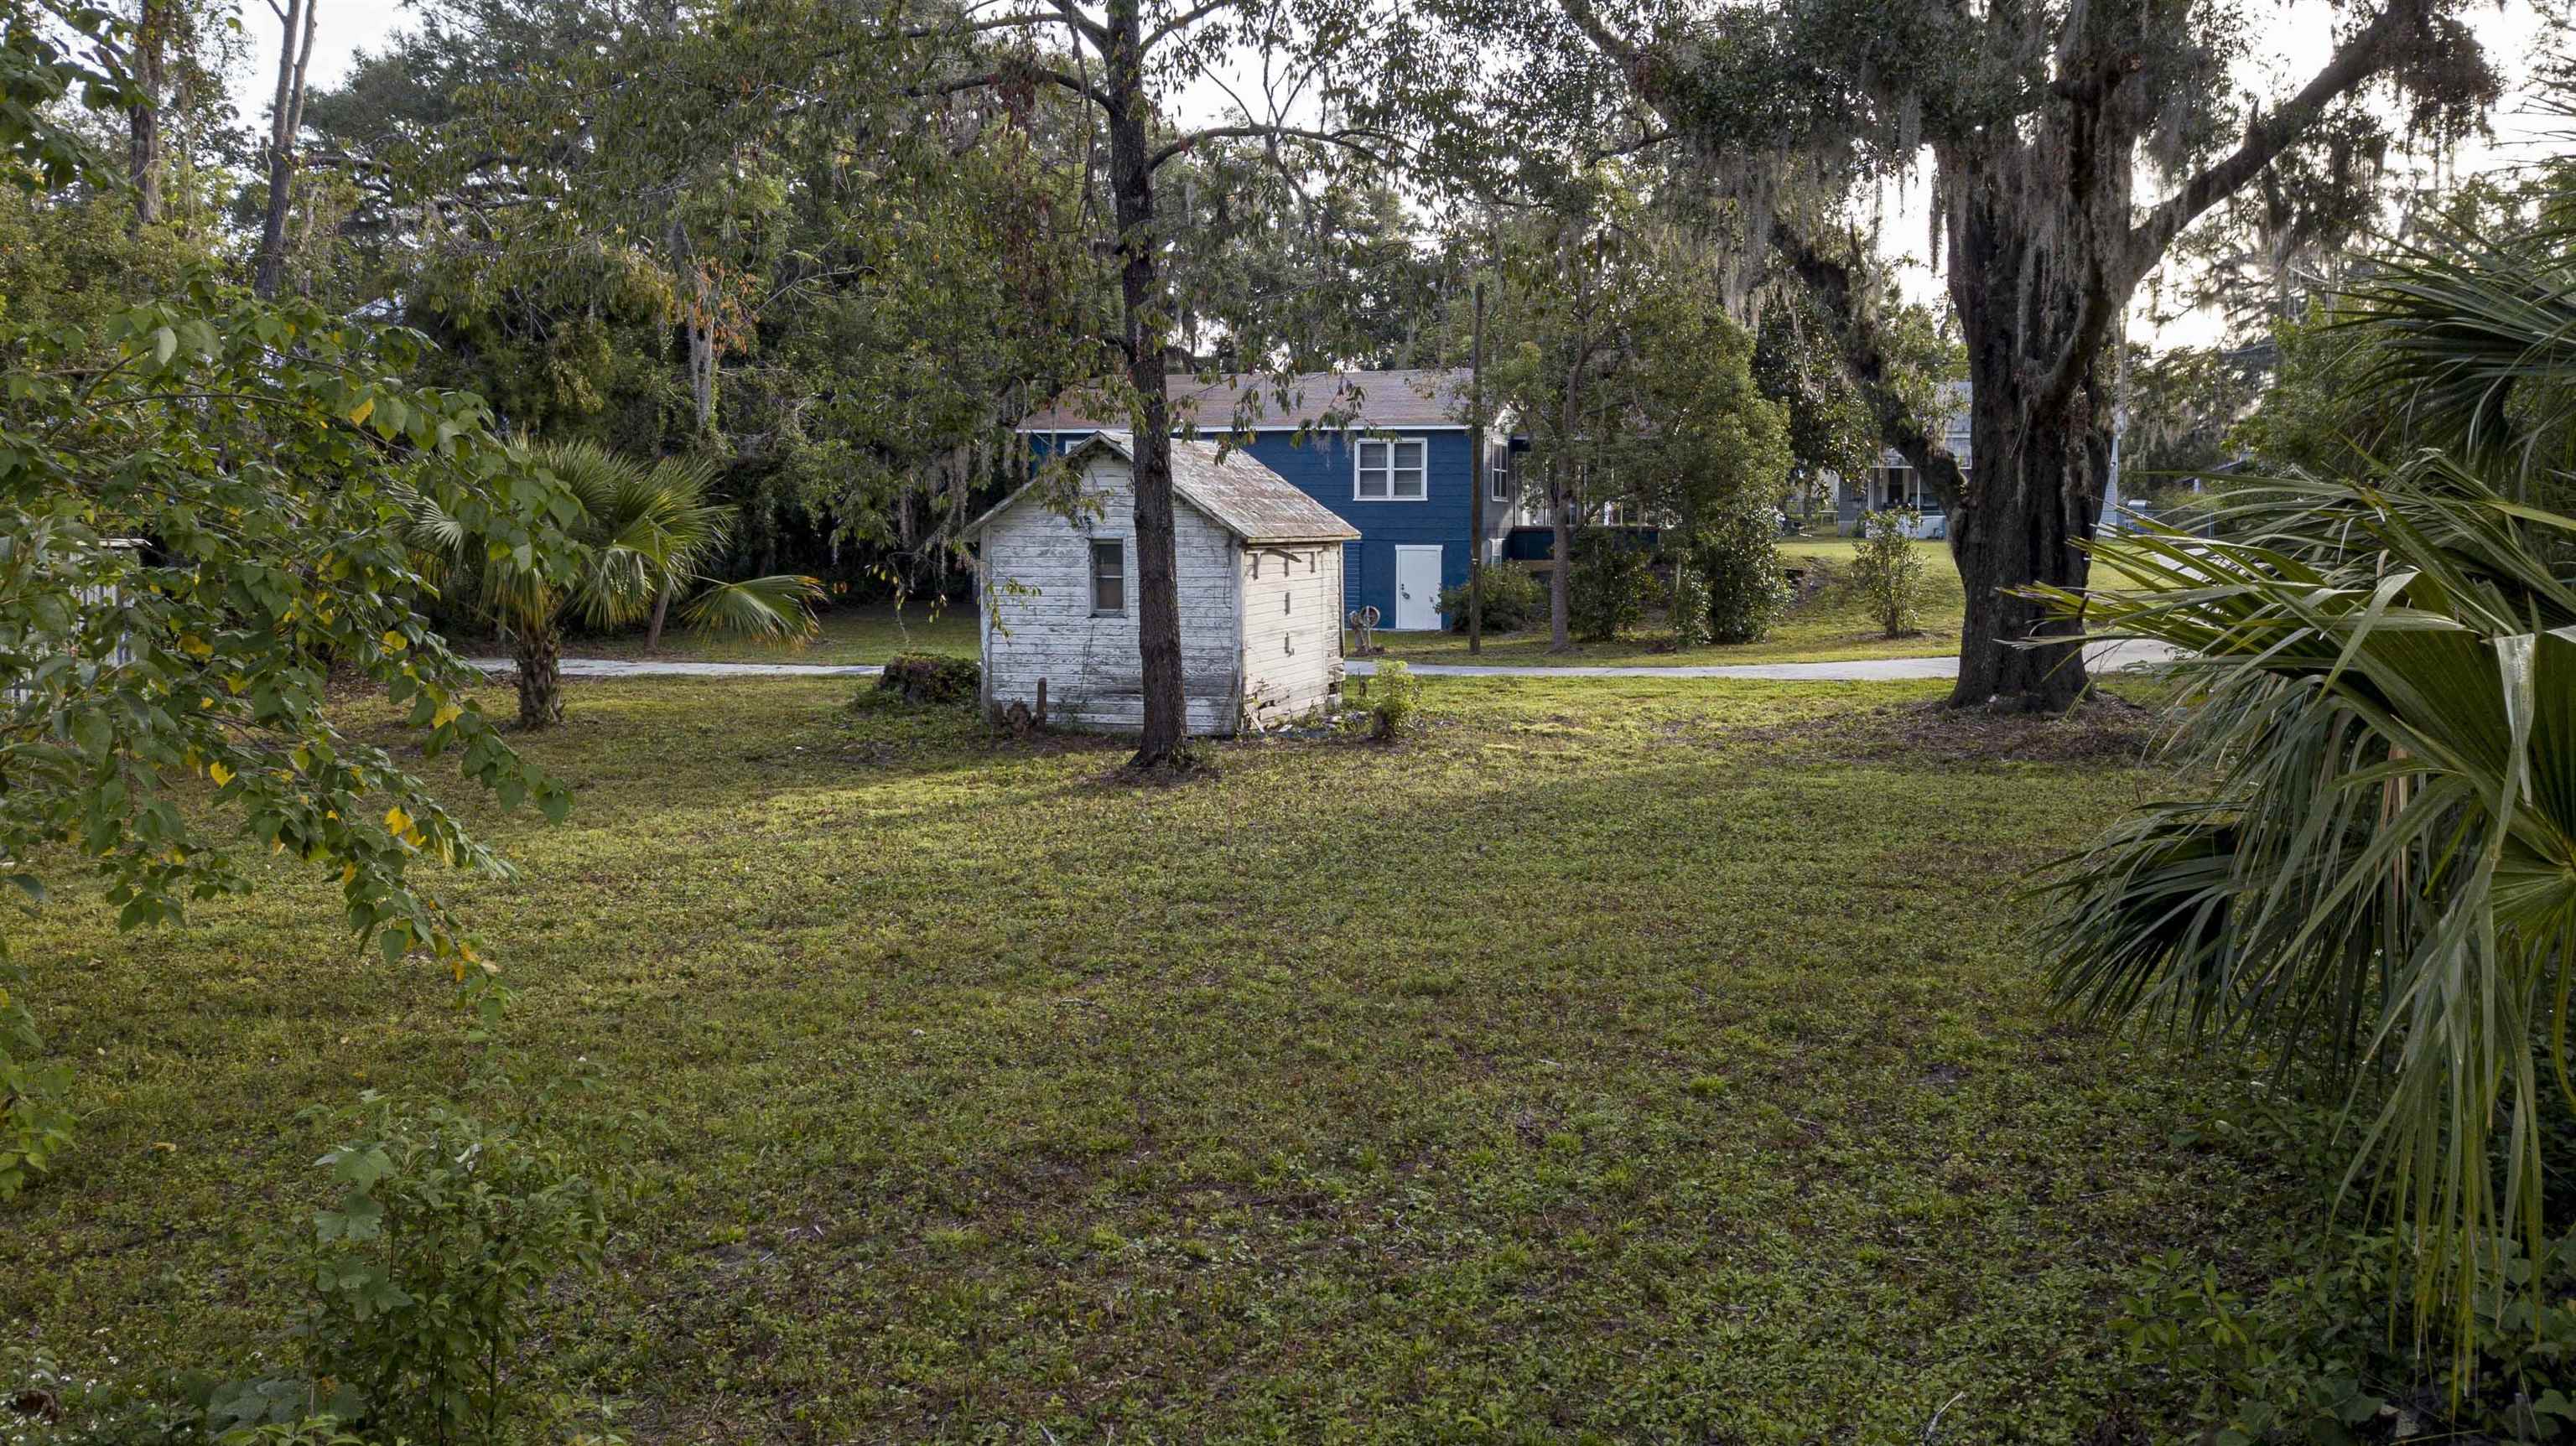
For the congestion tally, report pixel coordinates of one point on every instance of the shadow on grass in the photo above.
(1541, 1071)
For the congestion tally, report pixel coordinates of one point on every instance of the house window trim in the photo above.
(1920, 496)
(1360, 468)
(1499, 479)
(1119, 545)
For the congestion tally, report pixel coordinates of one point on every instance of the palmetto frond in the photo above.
(2478, 336)
(778, 607)
(458, 560)
(639, 531)
(2384, 686)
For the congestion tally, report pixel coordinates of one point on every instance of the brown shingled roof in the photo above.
(1417, 397)
(1238, 493)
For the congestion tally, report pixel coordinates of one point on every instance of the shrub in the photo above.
(1612, 582)
(35, 1119)
(1394, 703)
(423, 1270)
(2309, 1356)
(932, 678)
(1736, 557)
(1513, 600)
(1689, 602)
(1890, 572)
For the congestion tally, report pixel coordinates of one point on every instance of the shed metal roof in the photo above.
(1237, 492)
(1415, 397)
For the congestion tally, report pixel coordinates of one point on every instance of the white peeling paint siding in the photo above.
(1292, 632)
(1035, 568)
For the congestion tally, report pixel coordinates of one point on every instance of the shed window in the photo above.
(1108, 577)
(1390, 469)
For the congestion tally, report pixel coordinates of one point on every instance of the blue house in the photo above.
(1386, 451)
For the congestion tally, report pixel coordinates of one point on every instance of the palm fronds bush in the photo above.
(2383, 880)
(2379, 882)
(644, 532)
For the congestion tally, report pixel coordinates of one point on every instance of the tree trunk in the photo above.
(539, 654)
(2046, 246)
(1560, 522)
(696, 326)
(143, 118)
(1685, 627)
(1563, 481)
(2035, 490)
(295, 53)
(1477, 482)
(661, 610)
(702, 363)
(1131, 180)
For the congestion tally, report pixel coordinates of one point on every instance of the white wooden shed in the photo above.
(1260, 574)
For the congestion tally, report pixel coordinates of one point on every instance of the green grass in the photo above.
(853, 633)
(1625, 1060)
(1828, 626)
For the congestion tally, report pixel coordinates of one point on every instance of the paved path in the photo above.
(673, 668)
(2101, 657)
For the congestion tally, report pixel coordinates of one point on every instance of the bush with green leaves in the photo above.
(1686, 602)
(1735, 560)
(425, 1268)
(167, 727)
(2369, 877)
(1513, 600)
(310, 1431)
(1392, 706)
(2307, 1355)
(1889, 571)
(932, 678)
(1611, 586)
(35, 1119)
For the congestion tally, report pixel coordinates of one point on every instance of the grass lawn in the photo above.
(1828, 626)
(855, 633)
(1625, 1060)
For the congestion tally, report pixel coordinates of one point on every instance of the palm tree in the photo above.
(2381, 670)
(641, 535)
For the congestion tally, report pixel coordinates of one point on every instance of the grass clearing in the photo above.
(1624, 1060)
(852, 633)
(1828, 626)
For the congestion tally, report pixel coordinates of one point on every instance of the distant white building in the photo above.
(1894, 483)
(1260, 576)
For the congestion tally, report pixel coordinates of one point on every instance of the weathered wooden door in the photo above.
(1417, 588)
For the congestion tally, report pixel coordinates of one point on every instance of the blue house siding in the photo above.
(1323, 468)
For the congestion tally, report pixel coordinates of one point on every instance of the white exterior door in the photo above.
(1417, 589)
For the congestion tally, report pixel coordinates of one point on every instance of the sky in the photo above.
(2296, 38)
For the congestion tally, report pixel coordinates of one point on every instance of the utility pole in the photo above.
(1477, 480)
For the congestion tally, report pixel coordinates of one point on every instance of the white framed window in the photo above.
(1108, 578)
(1499, 485)
(1390, 470)
(1905, 487)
